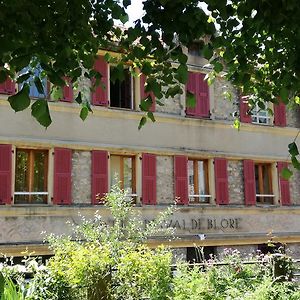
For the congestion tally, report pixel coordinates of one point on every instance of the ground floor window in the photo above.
(198, 181)
(31, 174)
(200, 254)
(271, 248)
(263, 183)
(121, 94)
(122, 172)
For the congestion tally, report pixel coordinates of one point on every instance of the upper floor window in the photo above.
(198, 181)
(121, 92)
(198, 86)
(263, 183)
(195, 48)
(34, 92)
(122, 172)
(31, 175)
(261, 116)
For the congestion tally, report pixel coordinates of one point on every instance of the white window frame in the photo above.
(258, 116)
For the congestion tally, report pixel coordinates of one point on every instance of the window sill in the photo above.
(198, 117)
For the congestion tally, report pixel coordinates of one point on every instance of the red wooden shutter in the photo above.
(144, 94)
(148, 178)
(191, 87)
(62, 176)
(5, 174)
(100, 95)
(285, 197)
(7, 87)
(99, 175)
(199, 87)
(245, 118)
(221, 179)
(181, 179)
(203, 97)
(279, 114)
(68, 94)
(249, 182)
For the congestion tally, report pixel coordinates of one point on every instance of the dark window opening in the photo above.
(271, 248)
(196, 48)
(200, 254)
(121, 92)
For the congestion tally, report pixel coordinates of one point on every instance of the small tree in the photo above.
(109, 261)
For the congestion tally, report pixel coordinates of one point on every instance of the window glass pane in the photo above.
(260, 116)
(39, 172)
(202, 181)
(115, 176)
(21, 183)
(266, 180)
(191, 178)
(201, 178)
(128, 174)
(31, 177)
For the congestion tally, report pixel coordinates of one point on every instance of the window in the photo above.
(260, 116)
(121, 91)
(196, 48)
(31, 176)
(34, 93)
(200, 254)
(271, 248)
(263, 183)
(198, 187)
(122, 171)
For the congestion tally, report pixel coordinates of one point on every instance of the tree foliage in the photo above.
(254, 44)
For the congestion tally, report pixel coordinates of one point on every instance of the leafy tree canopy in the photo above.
(254, 44)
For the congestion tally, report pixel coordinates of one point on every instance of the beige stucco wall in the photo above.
(107, 128)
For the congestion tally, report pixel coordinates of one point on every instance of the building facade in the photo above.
(227, 182)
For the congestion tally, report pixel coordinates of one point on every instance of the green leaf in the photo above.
(2, 283)
(21, 100)
(23, 77)
(56, 92)
(293, 149)
(207, 52)
(159, 102)
(295, 162)
(150, 115)
(3, 76)
(182, 73)
(124, 18)
(237, 124)
(190, 100)
(182, 58)
(284, 94)
(146, 103)
(39, 85)
(286, 173)
(146, 68)
(78, 99)
(40, 111)
(84, 113)
(143, 121)
(218, 67)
